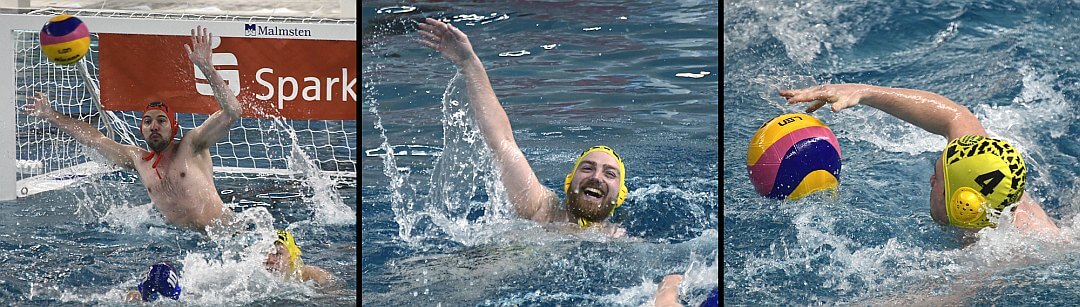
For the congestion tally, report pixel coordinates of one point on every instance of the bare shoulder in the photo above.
(548, 208)
(1030, 216)
(186, 148)
(321, 277)
(966, 125)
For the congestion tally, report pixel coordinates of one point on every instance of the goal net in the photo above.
(47, 158)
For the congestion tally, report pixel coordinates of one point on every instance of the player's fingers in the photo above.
(430, 36)
(794, 96)
(815, 106)
(434, 22)
(454, 30)
(425, 27)
(842, 104)
(428, 44)
(810, 96)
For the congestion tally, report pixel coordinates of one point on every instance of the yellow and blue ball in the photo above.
(792, 156)
(65, 39)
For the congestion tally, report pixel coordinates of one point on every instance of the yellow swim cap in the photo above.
(980, 173)
(622, 176)
(286, 238)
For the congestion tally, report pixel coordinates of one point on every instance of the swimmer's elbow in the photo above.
(232, 112)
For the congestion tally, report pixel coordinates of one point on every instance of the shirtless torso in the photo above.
(185, 194)
(181, 186)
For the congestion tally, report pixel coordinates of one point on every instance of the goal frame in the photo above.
(152, 25)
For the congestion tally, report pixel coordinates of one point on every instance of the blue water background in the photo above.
(1012, 63)
(615, 86)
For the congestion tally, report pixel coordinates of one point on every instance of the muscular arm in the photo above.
(529, 198)
(929, 111)
(217, 125)
(119, 154)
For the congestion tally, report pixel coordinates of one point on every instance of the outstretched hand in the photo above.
(447, 40)
(40, 106)
(199, 52)
(841, 96)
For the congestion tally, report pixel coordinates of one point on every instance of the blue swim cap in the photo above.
(162, 280)
(713, 300)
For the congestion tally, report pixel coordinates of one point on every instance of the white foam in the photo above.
(1024, 122)
(132, 217)
(700, 277)
(884, 131)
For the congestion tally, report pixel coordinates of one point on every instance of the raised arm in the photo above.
(529, 198)
(120, 154)
(930, 111)
(217, 125)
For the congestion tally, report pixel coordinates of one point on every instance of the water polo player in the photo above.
(178, 175)
(286, 261)
(595, 186)
(976, 176)
(161, 281)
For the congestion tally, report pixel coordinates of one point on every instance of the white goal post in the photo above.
(36, 157)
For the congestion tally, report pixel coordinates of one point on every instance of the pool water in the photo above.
(436, 228)
(1012, 63)
(90, 243)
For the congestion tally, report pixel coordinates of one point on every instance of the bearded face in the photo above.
(594, 188)
(156, 129)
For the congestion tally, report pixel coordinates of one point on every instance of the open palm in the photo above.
(447, 40)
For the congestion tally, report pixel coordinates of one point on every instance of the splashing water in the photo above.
(401, 206)
(464, 173)
(326, 202)
(233, 272)
(465, 201)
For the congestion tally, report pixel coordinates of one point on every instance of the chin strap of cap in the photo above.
(151, 155)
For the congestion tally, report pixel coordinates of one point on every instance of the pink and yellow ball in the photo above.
(65, 39)
(792, 156)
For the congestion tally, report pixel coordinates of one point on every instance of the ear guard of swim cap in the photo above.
(622, 173)
(286, 238)
(981, 176)
(162, 280)
(967, 207)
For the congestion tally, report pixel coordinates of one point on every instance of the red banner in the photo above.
(291, 78)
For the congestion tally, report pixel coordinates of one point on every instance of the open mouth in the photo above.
(594, 193)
